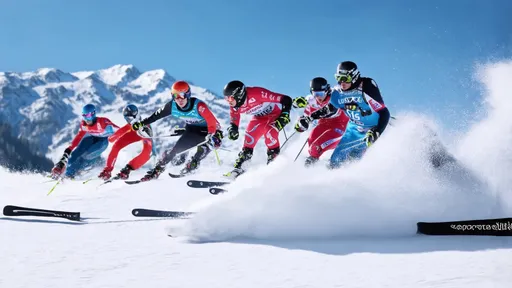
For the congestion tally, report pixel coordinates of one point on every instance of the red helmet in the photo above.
(180, 89)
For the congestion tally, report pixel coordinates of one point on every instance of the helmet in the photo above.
(319, 87)
(235, 92)
(130, 112)
(180, 89)
(347, 72)
(89, 114)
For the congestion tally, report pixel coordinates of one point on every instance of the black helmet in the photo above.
(319, 84)
(237, 90)
(130, 112)
(347, 72)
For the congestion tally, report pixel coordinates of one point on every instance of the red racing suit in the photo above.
(329, 130)
(265, 106)
(126, 136)
(103, 127)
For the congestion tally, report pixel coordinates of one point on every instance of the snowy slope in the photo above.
(281, 225)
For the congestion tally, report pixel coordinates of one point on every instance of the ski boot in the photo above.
(153, 173)
(233, 174)
(124, 173)
(243, 156)
(272, 154)
(310, 160)
(190, 166)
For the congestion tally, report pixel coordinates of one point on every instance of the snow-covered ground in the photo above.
(281, 225)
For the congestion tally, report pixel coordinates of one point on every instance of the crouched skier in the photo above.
(87, 146)
(202, 129)
(124, 137)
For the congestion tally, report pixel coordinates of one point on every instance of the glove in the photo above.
(178, 131)
(282, 120)
(233, 132)
(300, 102)
(321, 113)
(136, 125)
(302, 124)
(215, 139)
(371, 137)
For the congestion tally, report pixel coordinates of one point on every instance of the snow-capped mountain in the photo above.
(44, 106)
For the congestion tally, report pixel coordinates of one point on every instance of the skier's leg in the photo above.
(324, 138)
(92, 157)
(351, 146)
(272, 141)
(255, 129)
(189, 139)
(120, 143)
(75, 161)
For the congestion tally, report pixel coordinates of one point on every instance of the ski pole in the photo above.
(305, 142)
(214, 150)
(217, 156)
(286, 141)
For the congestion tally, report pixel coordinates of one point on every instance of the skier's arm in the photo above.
(384, 116)
(323, 112)
(109, 127)
(165, 111)
(207, 114)
(376, 101)
(120, 132)
(286, 102)
(234, 116)
(78, 137)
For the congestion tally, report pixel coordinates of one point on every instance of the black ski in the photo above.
(205, 184)
(110, 180)
(10, 210)
(177, 175)
(139, 212)
(131, 182)
(489, 227)
(216, 191)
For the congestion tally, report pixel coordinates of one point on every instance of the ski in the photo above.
(487, 227)
(139, 212)
(216, 191)
(11, 210)
(131, 182)
(205, 184)
(177, 175)
(109, 181)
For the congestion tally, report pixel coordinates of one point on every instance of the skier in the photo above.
(271, 113)
(330, 127)
(201, 125)
(124, 137)
(86, 148)
(361, 100)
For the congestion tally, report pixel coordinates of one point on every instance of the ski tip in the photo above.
(216, 191)
(176, 175)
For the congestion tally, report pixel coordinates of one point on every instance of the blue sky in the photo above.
(421, 53)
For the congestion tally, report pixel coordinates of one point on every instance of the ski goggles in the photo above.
(343, 78)
(129, 118)
(88, 116)
(180, 95)
(318, 93)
